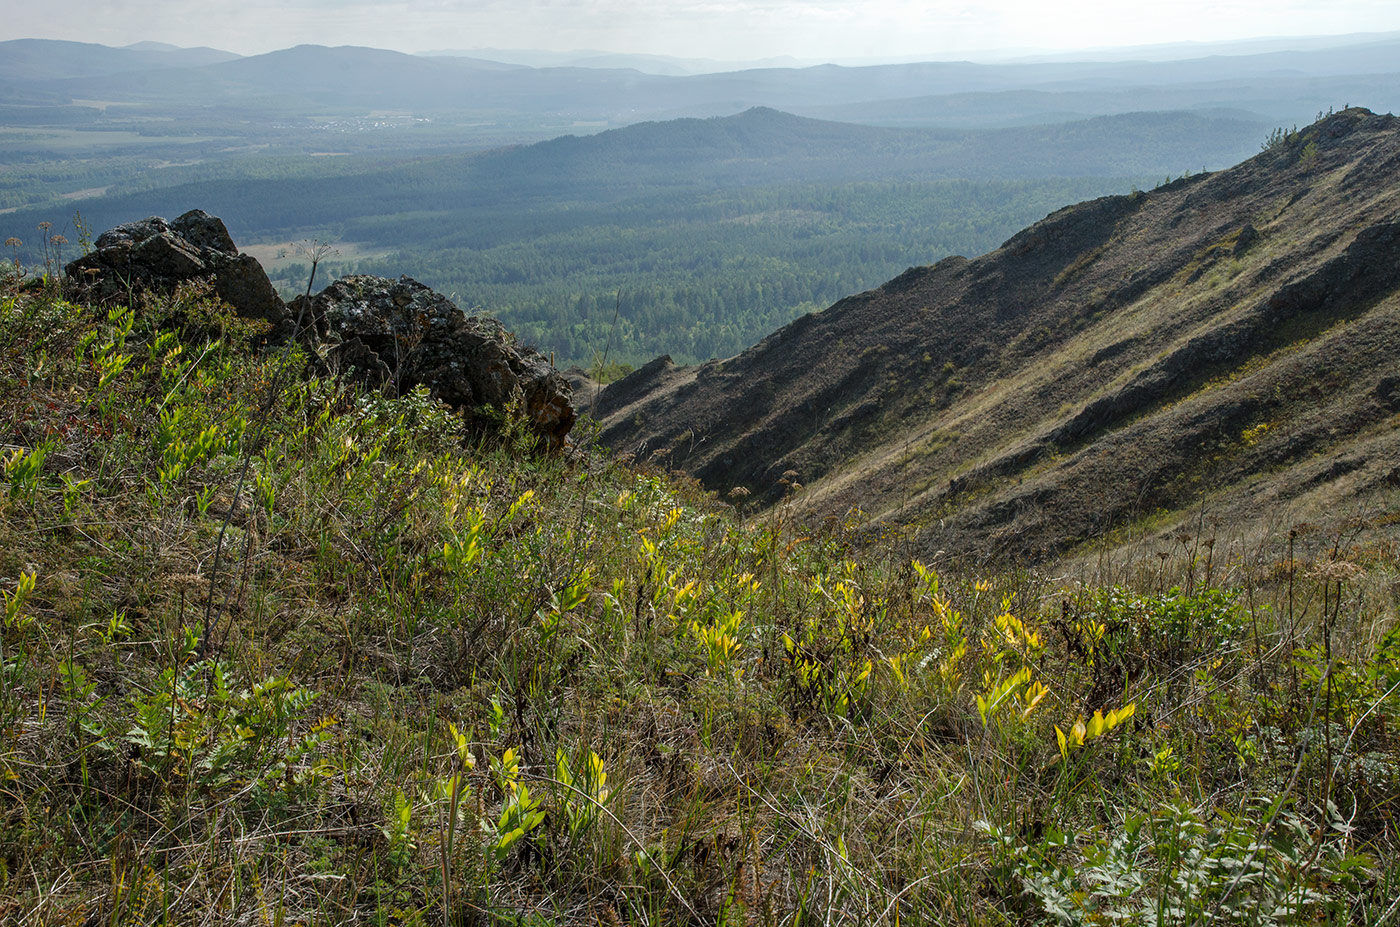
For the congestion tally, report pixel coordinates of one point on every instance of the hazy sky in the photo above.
(723, 29)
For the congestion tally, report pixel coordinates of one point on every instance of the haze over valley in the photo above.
(718, 204)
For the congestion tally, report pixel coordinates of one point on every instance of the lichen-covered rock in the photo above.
(402, 334)
(154, 254)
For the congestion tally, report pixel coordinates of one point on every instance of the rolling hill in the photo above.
(759, 146)
(46, 60)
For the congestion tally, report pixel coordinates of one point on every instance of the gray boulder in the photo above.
(400, 334)
(154, 254)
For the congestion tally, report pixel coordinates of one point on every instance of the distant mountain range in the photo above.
(42, 61)
(1274, 85)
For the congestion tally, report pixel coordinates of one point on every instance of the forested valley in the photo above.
(703, 276)
(688, 237)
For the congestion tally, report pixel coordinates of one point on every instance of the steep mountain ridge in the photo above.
(1225, 339)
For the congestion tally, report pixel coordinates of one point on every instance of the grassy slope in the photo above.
(1123, 358)
(447, 678)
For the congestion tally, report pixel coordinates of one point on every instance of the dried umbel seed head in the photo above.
(738, 492)
(13, 242)
(58, 240)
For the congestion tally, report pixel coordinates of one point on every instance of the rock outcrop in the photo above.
(390, 334)
(401, 334)
(154, 254)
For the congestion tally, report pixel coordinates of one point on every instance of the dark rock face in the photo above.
(400, 333)
(391, 334)
(154, 254)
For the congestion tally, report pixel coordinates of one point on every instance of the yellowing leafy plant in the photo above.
(572, 595)
(183, 444)
(1082, 732)
(15, 619)
(450, 791)
(952, 646)
(521, 812)
(1009, 693)
(23, 470)
(465, 546)
(1017, 694)
(585, 790)
(720, 640)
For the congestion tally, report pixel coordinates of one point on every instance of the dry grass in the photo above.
(442, 682)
